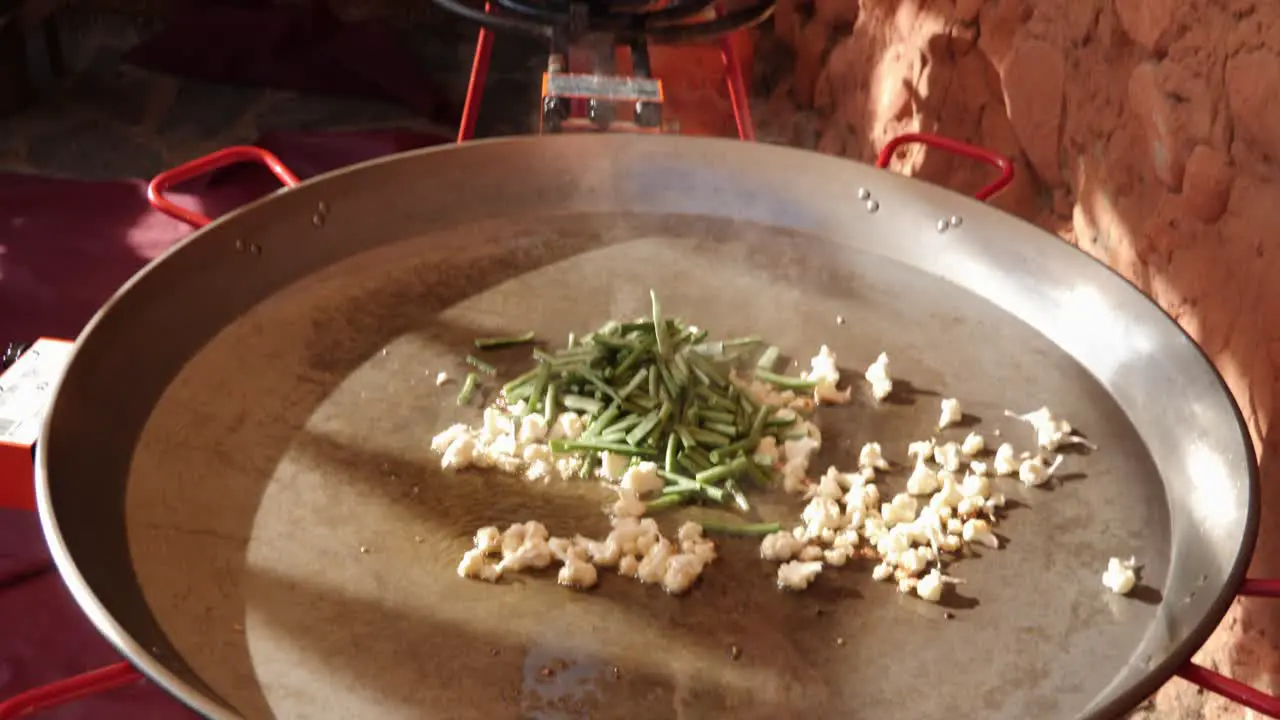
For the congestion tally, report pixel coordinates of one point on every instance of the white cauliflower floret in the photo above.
(642, 478)
(949, 496)
(829, 485)
(796, 575)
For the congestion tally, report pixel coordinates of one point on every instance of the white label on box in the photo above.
(26, 389)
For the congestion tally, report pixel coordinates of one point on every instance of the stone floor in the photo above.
(110, 120)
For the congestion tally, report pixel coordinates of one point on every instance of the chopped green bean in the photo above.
(785, 381)
(721, 454)
(491, 343)
(736, 493)
(634, 384)
(729, 431)
(747, 529)
(521, 380)
(641, 431)
(468, 388)
(707, 437)
(659, 327)
(582, 403)
(549, 409)
(673, 442)
(719, 416)
(481, 365)
(738, 342)
(768, 358)
(722, 471)
(564, 446)
(669, 501)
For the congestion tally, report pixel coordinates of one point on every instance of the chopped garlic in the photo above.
(533, 553)
(476, 567)
(642, 478)
(780, 546)
(823, 371)
(902, 509)
(929, 588)
(977, 467)
(1006, 462)
(975, 486)
(829, 486)
(629, 566)
(878, 376)
(870, 457)
(951, 413)
(613, 465)
(923, 480)
(488, 540)
(683, 570)
(809, 553)
(767, 448)
(948, 456)
(1051, 432)
(442, 378)
(797, 575)
(1034, 473)
(948, 497)
(973, 444)
(1120, 577)
(920, 450)
(837, 557)
(578, 573)
(629, 504)
(911, 562)
(569, 425)
(979, 532)
(460, 454)
(882, 572)
(653, 566)
(821, 514)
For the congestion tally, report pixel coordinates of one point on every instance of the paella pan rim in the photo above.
(146, 662)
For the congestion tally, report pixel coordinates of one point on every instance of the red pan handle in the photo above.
(1235, 690)
(207, 164)
(65, 691)
(973, 152)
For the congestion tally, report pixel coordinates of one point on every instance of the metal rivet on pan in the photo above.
(956, 220)
(239, 245)
(864, 194)
(255, 248)
(318, 219)
(872, 206)
(943, 225)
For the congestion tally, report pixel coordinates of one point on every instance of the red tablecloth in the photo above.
(65, 246)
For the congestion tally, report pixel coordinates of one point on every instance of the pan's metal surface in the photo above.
(236, 426)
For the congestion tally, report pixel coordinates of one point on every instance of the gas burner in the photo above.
(597, 28)
(628, 21)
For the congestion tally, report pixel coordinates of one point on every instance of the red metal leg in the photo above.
(475, 86)
(1235, 690)
(737, 90)
(65, 691)
(193, 169)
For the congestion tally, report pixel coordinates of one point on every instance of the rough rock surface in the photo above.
(1147, 132)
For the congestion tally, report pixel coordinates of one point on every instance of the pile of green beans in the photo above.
(655, 389)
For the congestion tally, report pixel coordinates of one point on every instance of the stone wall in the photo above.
(1147, 132)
